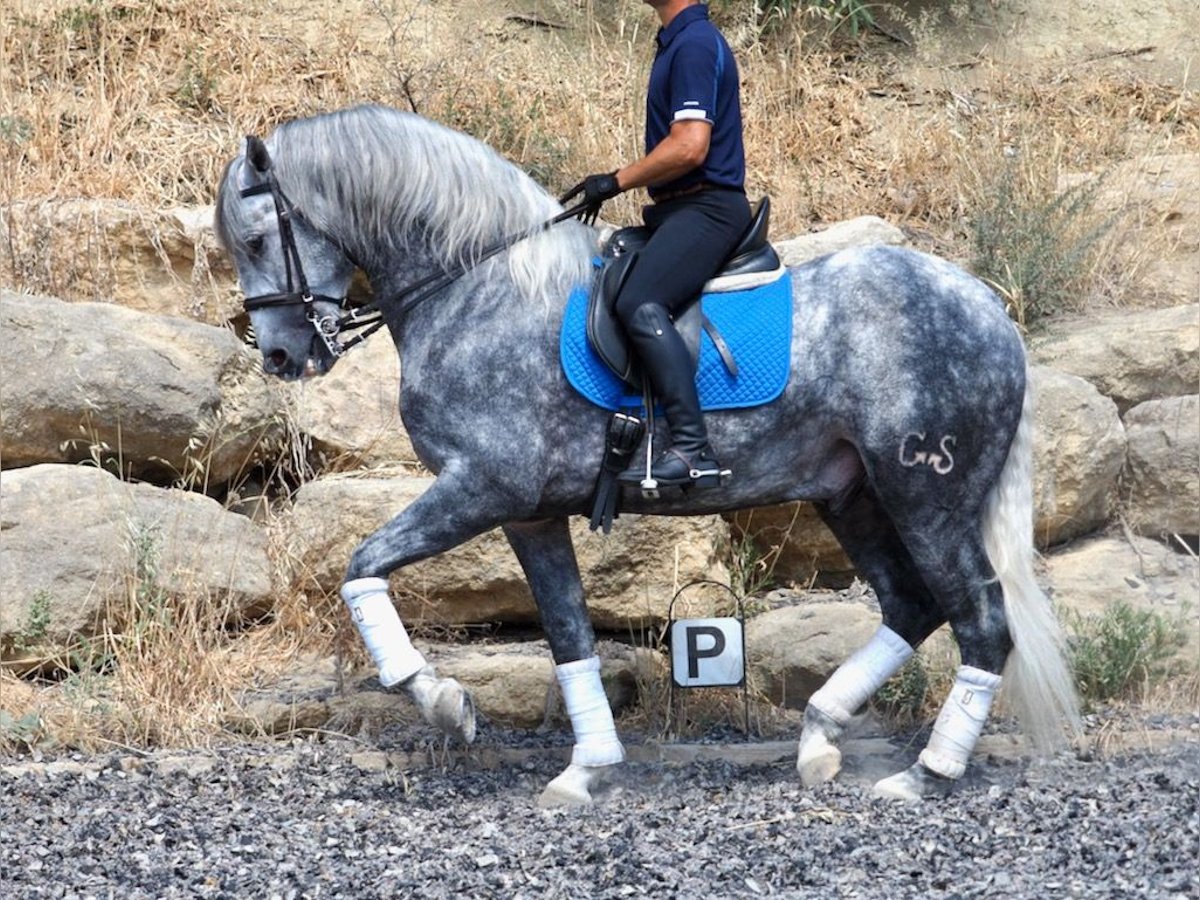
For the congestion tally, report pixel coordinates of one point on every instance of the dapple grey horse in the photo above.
(906, 421)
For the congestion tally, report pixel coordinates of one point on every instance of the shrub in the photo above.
(1036, 246)
(1122, 653)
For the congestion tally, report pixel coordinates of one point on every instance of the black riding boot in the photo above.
(664, 357)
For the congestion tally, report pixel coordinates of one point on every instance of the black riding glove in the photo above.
(595, 189)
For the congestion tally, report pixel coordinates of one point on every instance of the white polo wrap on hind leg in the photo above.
(381, 629)
(858, 678)
(596, 742)
(960, 722)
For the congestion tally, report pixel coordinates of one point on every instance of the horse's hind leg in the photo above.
(910, 614)
(548, 560)
(954, 564)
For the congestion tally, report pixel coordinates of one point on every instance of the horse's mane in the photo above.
(383, 181)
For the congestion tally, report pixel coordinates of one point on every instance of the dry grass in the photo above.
(145, 101)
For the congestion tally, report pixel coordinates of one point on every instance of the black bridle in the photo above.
(368, 318)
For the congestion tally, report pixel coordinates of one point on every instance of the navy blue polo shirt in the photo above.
(694, 76)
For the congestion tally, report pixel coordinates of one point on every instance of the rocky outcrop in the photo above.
(108, 251)
(1162, 475)
(352, 415)
(788, 543)
(1079, 449)
(1130, 357)
(839, 236)
(791, 651)
(510, 684)
(1087, 578)
(155, 397)
(83, 551)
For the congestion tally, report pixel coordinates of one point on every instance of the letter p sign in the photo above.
(707, 652)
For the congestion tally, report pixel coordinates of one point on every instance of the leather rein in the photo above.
(368, 318)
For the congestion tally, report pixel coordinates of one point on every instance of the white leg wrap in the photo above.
(960, 722)
(859, 677)
(381, 630)
(596, 742)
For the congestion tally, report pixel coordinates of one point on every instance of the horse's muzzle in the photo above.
(280, 363)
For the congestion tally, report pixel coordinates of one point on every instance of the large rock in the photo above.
(1079, 449)
(860, 232)
(515, 684)
(1089, 577)
(629, 576)
(79, 544)
(353, 412)
(163, 398)
(793, 650)
(1162, 474)
(114, 252)
(1130, 357)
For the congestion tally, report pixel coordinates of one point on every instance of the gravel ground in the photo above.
(329, 819)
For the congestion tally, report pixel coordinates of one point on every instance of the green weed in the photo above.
(1124, 652)
(37, 622)
(1034, 245)
(751, 569)
(21, 732)
(903, 697)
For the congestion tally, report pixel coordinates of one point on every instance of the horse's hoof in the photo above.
(914, 783)
(454, 711)
(573, 787)
(818, 765)
(818, 760)
(444, 703)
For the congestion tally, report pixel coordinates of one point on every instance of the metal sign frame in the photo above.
(740, 606)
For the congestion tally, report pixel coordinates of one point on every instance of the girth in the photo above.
(752, 262)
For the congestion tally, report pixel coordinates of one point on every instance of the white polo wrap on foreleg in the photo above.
(596, 742)
(858, 678)
(960, 722)
(381, 629)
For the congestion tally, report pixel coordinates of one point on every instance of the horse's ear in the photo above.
(256, 153)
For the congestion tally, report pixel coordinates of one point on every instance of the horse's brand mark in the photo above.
(914, 453)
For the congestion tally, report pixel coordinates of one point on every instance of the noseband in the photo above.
(369, 318)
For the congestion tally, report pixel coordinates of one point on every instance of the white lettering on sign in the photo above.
(707, 652)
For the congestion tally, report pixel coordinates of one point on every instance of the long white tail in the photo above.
(1038, 678)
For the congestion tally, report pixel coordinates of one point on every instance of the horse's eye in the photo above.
(254, 243)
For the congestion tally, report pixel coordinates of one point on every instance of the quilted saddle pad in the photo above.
(756, 324)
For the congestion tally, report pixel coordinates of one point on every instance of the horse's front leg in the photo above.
(548, 559)
(443, 517)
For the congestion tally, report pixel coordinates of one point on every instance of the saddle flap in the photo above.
(604, 332)
(607, 337)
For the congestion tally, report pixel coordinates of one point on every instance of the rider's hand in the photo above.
(595, 189)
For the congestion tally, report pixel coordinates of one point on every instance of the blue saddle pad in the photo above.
(756, 324)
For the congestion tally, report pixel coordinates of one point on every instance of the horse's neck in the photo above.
(481, 300)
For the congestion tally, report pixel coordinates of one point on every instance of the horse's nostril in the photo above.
(277, 359)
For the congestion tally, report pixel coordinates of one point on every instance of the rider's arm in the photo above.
(684, 148)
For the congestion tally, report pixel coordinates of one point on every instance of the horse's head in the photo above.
(294, 277)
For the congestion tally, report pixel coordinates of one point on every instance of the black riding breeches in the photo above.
(692, 236)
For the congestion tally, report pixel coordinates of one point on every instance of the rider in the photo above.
(694, 168)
